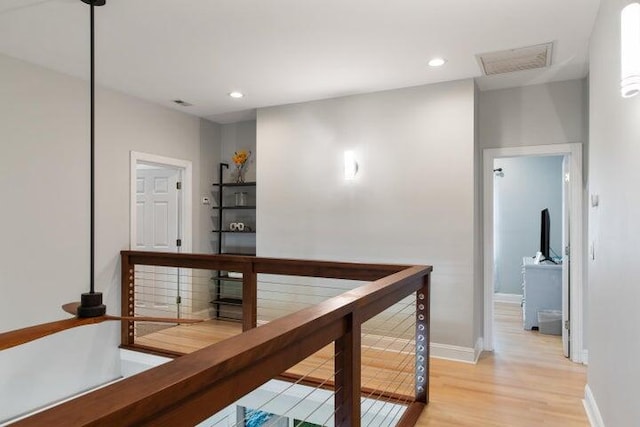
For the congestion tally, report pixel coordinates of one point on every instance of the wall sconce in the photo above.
(630, 50)
(350, 165)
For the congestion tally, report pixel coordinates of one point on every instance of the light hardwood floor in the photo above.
(525, 382)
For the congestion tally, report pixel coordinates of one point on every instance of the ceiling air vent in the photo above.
(182, 103)
(508, 61)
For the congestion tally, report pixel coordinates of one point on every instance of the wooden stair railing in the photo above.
(193, 387)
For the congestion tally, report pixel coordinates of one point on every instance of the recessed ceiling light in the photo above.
(437, 62)
(236, 94)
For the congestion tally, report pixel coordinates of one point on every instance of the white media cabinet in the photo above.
(542, 290)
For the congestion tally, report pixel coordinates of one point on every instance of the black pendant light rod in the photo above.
(93, 155)
(91, 303)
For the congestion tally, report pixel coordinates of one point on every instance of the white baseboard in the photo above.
(438, 351)
(591, 407)
(478, 349)
(585, 357)
(507, 298)
(457, 353)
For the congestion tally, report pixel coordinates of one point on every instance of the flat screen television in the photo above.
(545, 235)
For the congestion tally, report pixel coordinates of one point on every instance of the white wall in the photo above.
(412, 200)
(614, 227)
(529, 185)
(44, 182)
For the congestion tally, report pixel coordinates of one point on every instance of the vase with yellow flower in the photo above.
(240, 159)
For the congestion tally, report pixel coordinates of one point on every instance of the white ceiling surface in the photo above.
(287, 51)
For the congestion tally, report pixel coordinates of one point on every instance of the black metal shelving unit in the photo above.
(221, 278)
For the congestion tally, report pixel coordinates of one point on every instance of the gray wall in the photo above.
(550, 113)
(44, 182)
(614, 294)
(529, 185)
(210, 158)
(217, 144)
(239, 136)
(412, 200)
(478, 224)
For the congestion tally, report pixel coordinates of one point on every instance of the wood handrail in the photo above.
(291, 267)
(191, 388)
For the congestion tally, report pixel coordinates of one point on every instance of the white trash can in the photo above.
(550, 322)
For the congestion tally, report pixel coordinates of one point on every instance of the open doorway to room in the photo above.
(528, 226)
(526, 189)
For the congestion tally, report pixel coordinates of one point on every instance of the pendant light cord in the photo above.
(93, 201)
(91, 302)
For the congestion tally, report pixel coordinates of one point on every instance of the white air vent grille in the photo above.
(508, 61)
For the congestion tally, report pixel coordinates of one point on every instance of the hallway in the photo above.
(526, 382)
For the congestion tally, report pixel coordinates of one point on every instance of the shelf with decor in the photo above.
(235, 221)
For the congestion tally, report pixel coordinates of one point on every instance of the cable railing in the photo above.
(314, 344)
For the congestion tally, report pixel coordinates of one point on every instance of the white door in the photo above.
(566, 255)
(157, 229)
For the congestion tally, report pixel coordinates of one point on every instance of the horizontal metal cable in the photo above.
(318, 387)
(406, 361)
(409, 307)
(379, 372)
(397, 410)
(200, 289)
(326, 421)
(398, 368)
(282, 392)
(163, 276)
(166, 275)
(382, 333)
(189, 296)
(170, 285)
(308, 299)
(405, 401)
(351, 286)
(373, 347)
(280, 292)
(407, 311)
(336, 391)
(407, 354)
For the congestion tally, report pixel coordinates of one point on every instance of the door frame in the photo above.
(185, 202)
(574, 152)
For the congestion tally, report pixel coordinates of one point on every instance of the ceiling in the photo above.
(287, 51)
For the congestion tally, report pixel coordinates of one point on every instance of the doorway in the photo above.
(160, 221)
(567, 158)
(524, 187)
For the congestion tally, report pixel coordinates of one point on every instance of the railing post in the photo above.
(127, 299)
(422, 341)
(249, 298)
(348, 375)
